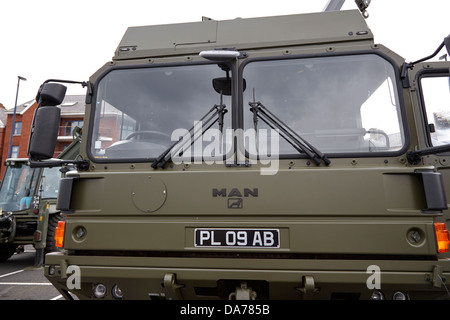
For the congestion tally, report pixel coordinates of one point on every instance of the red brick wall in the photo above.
(22, 140)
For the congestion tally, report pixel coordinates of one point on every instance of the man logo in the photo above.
(235, 196)
(234, 203)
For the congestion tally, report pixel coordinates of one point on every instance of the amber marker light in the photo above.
(59, 234)
(442, 237)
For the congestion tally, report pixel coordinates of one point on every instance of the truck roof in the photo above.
(243, 34)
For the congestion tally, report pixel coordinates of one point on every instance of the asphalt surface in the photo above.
(20, 280)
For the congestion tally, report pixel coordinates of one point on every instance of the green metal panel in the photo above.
(189, 38)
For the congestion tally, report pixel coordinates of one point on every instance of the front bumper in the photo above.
(221, 278)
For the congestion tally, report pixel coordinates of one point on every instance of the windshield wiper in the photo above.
(215, 114)
(293, 138)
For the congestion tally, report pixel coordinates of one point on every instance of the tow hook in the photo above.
(172, 288)
(436, 277)
(308, 287)
(243, 293)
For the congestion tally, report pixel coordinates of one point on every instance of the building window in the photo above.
(70, 126)
(14, 151)
(17, 128)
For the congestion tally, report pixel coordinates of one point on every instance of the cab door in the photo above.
(430, 89)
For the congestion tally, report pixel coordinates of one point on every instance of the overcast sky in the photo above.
(55, 39)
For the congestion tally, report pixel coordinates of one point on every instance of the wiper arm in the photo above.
(292, 137)
(215, 114)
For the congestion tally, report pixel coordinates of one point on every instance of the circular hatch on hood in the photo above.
(149, 194)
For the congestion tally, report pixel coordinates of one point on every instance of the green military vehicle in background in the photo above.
(285, 157)
(28, 204)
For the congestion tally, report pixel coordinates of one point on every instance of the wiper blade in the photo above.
(215, 114)
(293, 138)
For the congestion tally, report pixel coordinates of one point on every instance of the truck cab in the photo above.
(28, 198)
(27, 195)
(285, 157)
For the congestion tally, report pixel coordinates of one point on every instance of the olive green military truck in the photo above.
(284, 157)
(28, 212)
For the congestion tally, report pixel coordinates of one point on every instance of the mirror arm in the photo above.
(84, 84)
(410, 65)
(432, 55)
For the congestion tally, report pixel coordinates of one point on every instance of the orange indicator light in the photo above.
(442, 237)
(59, 234)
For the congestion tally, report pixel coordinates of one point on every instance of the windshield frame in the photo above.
(92, 115)
(424, 74)
(239, 106)
(396, 81)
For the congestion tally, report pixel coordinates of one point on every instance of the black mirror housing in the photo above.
(45, 127)
(51, 94)
(44, 133)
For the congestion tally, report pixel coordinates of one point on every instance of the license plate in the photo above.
(237, 238)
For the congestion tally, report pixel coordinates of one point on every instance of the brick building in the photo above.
(3, 117)
(72, 115)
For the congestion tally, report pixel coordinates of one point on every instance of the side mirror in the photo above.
(44, 131)
(51, 94)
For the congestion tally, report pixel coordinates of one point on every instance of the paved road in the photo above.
(20, 280)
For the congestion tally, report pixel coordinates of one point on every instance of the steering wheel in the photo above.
(148, 132)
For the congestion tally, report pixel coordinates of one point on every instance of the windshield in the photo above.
(50, 183)
(140, 112)
(18, 187)
(339, 104)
